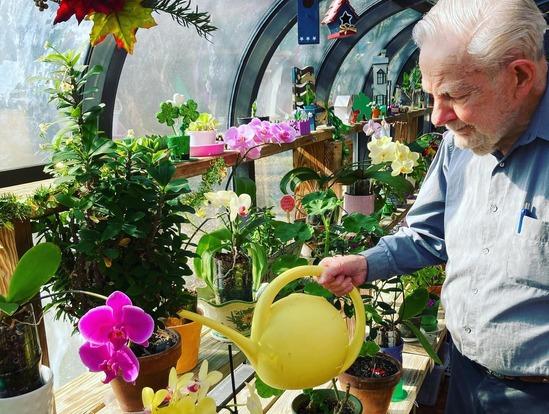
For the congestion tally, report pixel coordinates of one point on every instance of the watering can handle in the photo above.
(262, 309)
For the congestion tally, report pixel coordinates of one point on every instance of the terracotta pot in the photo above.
(190, 344)
(359, 203)
(374, 393)
(376, 112)
(154, 371)
(437, 290)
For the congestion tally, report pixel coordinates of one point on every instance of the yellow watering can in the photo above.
(300, 341)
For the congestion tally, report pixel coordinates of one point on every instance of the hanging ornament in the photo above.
(341, 19)
(308, 22)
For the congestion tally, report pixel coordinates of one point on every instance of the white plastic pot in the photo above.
(202, 137)
(39, 401)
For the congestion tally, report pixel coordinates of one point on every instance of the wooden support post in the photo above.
(8, 257)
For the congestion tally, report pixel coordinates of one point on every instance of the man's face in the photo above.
(474, 104)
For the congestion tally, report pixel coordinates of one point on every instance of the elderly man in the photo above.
(483, 207)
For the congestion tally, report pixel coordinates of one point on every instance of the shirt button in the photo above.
(475, 291)
(502, 164)
(493, 208)
(485, 251)
(467, 330)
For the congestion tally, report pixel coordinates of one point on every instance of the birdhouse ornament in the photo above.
(341, 19)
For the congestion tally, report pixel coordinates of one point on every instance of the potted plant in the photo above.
(178, 115)
(253, 114)
(118, 217)
(300, 120)
(326, 401)
(411, 86)
(203, 136)
(25, 384)
(309, 105)
(376, 110)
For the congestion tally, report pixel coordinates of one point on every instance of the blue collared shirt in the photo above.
(496, 293)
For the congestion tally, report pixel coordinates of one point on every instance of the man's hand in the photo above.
(342, 273)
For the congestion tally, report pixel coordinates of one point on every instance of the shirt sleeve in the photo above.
(422, 242)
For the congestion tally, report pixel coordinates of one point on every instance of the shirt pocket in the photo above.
(528, 255)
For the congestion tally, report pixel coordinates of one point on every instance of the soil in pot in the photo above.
(155, 363)
(325, 404)
(372, 381)
(20, 353)
(234, 278)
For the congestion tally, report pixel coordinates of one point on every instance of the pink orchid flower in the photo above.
(283, 133)
(116, 323)
(113, 362)
(263, 132)
(241, 139)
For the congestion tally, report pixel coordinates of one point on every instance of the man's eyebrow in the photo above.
(456, 88)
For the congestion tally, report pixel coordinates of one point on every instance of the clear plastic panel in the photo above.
(172, 59)
(23, 104)
(358, 62)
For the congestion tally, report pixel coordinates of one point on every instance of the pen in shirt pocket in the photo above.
(524, 212)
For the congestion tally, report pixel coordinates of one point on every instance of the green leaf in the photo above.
(259, 264)
(286, 262)
(264, 390)
(356, 222)
(163, 172)
(423, 341)
(111, 231)
(245, 185)
(369, 348)
(299, 231)
(293, 178)
(175, 186)
(209, 243)
(413, 304)
(67, 200)
(313, 288)
(9, 308)
(34, 269)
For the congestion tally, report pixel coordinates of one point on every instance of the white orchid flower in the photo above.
(220, 198)
(206, 380)
(240, 205)
(402, 167)
(178, 99)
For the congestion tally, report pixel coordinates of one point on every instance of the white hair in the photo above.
(493, 32)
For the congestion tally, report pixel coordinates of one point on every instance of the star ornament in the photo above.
(346, 18)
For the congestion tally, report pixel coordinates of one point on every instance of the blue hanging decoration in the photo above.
(341, 19)
(308, 22)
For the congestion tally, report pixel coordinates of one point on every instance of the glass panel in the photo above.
(358, 62)
(170, 58)
(268, 172)
(399, 60)
(275, 93)
(23, 105)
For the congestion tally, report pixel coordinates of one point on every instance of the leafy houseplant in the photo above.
(121, 228)
(411, 85)
(253, 114)
(203, 130)
(20, 353)
(178, 115)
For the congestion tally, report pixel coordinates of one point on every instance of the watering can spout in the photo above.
(249, 348)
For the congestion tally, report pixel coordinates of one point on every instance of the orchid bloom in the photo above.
(207, 379)
(242, 139)
(372, 128)
(113, 362)
(382, 150)
(239, 205)
(220, 198)
(117, 323)
(152, 400)
(405, 160)
(263, 132)
(283, 133)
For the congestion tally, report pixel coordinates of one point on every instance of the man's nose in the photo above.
(443, 113)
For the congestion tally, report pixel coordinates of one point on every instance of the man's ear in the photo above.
(523, 75)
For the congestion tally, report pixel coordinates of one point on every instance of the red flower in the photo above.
(81, 8)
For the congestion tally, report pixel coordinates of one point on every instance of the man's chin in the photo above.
(477, 145)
